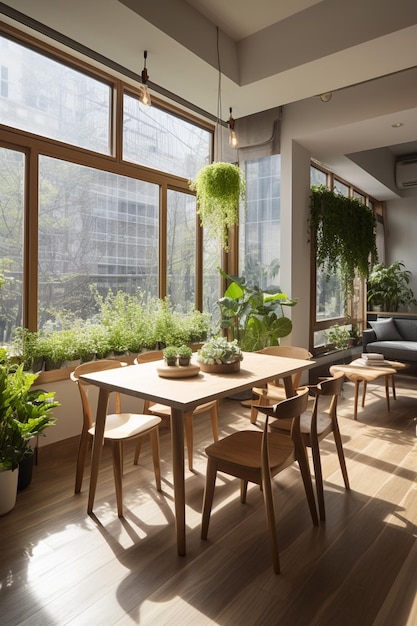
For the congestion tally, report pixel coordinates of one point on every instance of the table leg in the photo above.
(289, 387)
(103, 398)
(177, 444)
(365, 387)
(394, 394)
(355, 406)
(387, 377)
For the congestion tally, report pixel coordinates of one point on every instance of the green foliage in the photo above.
(218, 350)
(388, 286)
(338, 336)
(219, 187)
(184, 352)
(24, 413)
(345, 234)
(252, 316)
(124, 323)
(170, 352)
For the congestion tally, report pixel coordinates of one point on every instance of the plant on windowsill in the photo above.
(253, 316)
(219, 188)
(338, 337)
(344, 232)
(388, 287)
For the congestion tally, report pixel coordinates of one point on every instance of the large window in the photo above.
(95, 198)
(12, 168)
(260, 224)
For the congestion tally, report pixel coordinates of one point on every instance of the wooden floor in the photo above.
(60, 566)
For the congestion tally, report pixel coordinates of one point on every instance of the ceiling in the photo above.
(272, 53)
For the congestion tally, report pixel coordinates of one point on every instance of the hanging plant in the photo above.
(219, 187)
(345, 234)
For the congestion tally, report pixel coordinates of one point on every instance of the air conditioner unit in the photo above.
(406, 172)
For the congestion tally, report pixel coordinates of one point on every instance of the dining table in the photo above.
(182, 395)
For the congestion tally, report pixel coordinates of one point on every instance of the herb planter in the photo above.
(220, 368)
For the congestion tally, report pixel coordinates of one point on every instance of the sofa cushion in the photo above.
(396, 350)
(385, 330)
(407, 328)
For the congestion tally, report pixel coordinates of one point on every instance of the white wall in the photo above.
(401, 236)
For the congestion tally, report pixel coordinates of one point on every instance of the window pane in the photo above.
(317, 177)
(162, 141)
(50, 99)
(181, 247)
(12, 168)
(211, 276)
(95, 228)
(260, 226)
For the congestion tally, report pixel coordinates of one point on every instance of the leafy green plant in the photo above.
(24, 413)
(344, 232)
(338, 336)
(254, 316)
(388, 286)
(218, 351)
(219, 188)
(170, 355)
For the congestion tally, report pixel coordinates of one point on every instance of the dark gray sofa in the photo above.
(394, 337)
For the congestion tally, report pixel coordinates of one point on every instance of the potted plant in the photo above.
(184, 355)
(344, 232)
(220, 355)
(219, 188)
(338, 336)
(388, 287)
(170, 355)
(24, 413)
(254, 316)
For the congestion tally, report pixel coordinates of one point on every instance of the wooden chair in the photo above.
(317, 425)
(165, 411)
(275, 392)
(120, 427)
(255, 456)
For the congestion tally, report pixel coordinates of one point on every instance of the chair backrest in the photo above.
(293, 352)
(149, 355)
(331, 386)
(291, 408)
(90, 368)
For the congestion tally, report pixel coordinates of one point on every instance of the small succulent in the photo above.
(218, 350)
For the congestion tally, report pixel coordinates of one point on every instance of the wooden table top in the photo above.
(187, 393)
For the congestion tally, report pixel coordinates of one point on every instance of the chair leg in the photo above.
(341, 455)
(156, 457)
(318, 475)
(254, 412)
(137, 451)
(208, 496)
(82, 452)
(270, 520)
(188, 423)
(117, 469)
(308, 485)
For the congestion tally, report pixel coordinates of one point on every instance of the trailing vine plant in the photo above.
(345, 235)
(219, 187)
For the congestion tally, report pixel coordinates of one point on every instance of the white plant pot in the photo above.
(8, 490)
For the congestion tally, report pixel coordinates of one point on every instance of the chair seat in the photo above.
(244, 448)
(164, 410)
(125, 425)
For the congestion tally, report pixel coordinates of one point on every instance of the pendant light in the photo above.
(145, 96)
(233, 140)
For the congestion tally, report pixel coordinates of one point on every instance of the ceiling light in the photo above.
(145, 96)
(233, 140)
(326, 97)
(398, 124)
